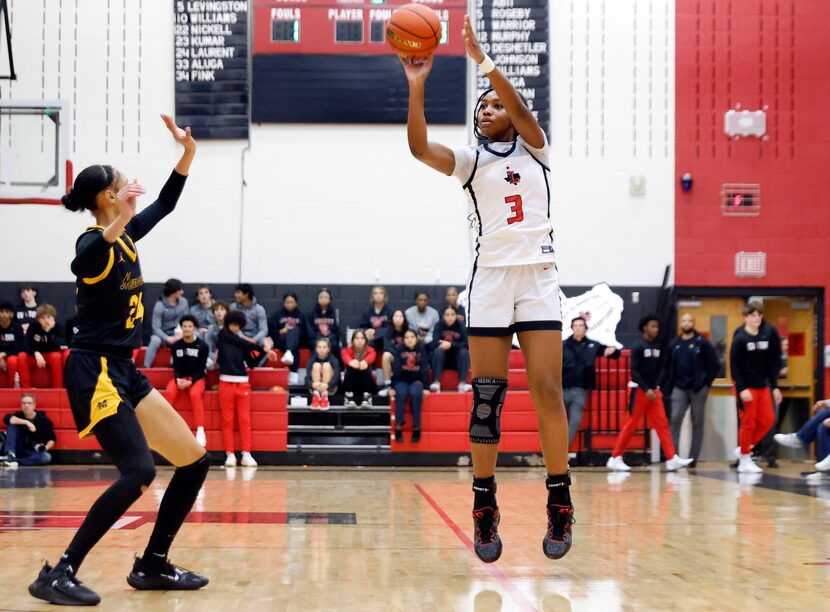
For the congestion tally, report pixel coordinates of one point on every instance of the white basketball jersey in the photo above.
(508, 190)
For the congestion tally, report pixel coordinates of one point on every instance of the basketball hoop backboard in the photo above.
(34, 145)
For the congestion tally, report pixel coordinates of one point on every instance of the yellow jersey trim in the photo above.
(105, 273)
(104, 401)
(132, 253)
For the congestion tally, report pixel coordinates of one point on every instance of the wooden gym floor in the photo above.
(398, 539)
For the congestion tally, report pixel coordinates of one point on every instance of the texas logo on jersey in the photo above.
(512, 177)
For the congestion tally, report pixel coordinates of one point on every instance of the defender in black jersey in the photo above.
(110, 398)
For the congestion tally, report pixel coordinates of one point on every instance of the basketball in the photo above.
(413, 30)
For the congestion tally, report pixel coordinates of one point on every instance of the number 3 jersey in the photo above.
(508, 189)
(110, 312)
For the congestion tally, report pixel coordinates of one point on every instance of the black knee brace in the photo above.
(485, 419)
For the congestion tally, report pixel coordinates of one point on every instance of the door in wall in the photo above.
(794, 318)
(716, 318)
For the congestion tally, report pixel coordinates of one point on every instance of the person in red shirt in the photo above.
(358, 360)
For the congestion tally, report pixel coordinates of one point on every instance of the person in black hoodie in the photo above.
(11, 341)
(579, 355)
(44, 345)
(449, 346)
(646, 398)
(410, 373)
(286, 327)
(691, 366)
(237, 353)
(376, 318)
(392, 341)
(755, 363)
(26, 312)
(322, 322)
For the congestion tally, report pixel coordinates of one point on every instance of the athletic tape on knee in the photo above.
(485, 417)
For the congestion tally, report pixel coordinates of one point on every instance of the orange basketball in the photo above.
(413, 30)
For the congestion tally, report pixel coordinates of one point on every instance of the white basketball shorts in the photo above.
(509, 299)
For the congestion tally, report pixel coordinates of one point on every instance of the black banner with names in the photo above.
(211, 67)
(516, 35)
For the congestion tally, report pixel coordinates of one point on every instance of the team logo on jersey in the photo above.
(512, 177)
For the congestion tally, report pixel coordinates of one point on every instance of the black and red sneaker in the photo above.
(558, 539)
(486, 540)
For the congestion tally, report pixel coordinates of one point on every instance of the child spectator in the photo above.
(422, 317)
(449, 346)
(190, 355)
(236, 354)
(11, 341)
(452, 300)
(391, 343)
(357, 362)
(203, 309)
(220, 311)
(286, 327)
(171, 307)
(409, 379)
(256, 321)
(376, 318)
(322, 322)
(43, 342)
(27, 310)
(29, 435)
(322, 375)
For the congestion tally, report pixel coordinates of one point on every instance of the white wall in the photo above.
(347, 204)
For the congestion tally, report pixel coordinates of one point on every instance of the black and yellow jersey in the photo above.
(110, 287)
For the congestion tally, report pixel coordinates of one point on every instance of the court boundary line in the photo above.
(506, 583)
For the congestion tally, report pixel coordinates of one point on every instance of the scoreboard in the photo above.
(327, 61)
(211, 67)
(516, 34)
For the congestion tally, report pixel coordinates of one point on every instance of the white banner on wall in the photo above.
(601, 307)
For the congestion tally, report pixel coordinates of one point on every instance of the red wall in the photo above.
(755, 53)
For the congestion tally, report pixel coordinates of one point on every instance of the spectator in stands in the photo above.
(422, 317)
(691, 366)
(392, 340)
(44, 343)
(755, 362)
(256, 321)
(220, 311)
(579, 355)
(237, 353)
(358, 383)
(167, 311)
(815, 430)
(375, 319)
(27, 309)
(449, 347)
(322, 375)
(286, 328)
(29, 435)
(11, 342)
(69, 327)
(452, 300)
(410, 373)
(190, 355)
(646, 399)
(203, 309)
(322, 322)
